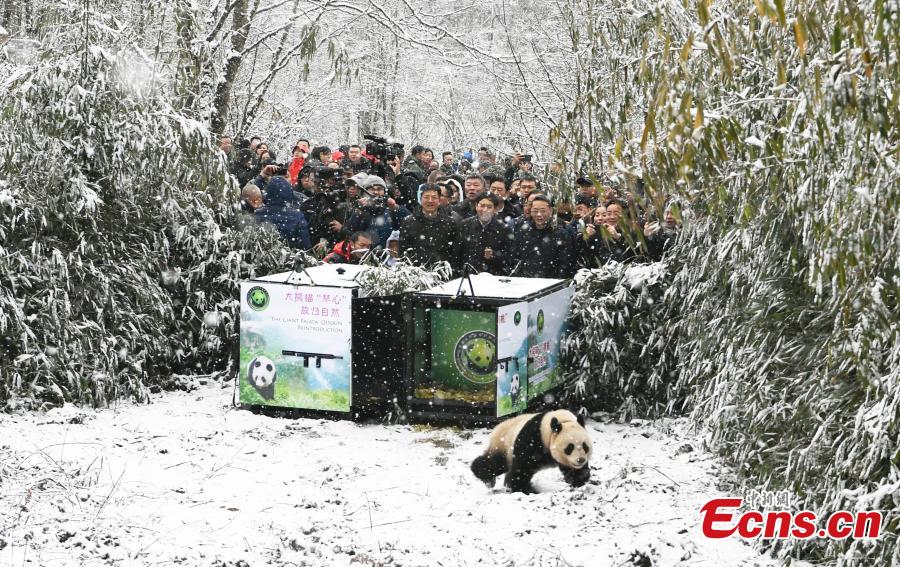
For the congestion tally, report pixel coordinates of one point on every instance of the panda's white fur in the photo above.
(525, 444)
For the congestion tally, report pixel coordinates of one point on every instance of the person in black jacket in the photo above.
(485, 242)
(540, 250)
(427, 236)
(474, 186)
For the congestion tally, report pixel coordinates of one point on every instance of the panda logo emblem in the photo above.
(514, 388)
(261, 374)
(258, 298)
(476, 357)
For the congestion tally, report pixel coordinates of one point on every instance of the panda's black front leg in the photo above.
(518, 479)
(576, 477)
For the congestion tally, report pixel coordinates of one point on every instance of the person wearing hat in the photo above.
(376, 212)
(586, 187)
(353, 186)
(427, 236)
(289, 222)
(485, 242)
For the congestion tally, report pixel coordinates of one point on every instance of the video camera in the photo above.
(380, 148)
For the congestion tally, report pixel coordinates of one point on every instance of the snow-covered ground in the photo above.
(189, 480)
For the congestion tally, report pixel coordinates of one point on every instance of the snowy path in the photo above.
(189, 480)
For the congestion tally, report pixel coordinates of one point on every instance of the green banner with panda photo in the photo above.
(547, 324)
(512, 358)
(295, 346)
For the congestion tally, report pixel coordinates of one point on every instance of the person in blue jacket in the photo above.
(289, 222)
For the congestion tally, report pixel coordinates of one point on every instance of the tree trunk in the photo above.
(240, 30)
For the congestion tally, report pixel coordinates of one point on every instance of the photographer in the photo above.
(268, 170)
(326, 209)
(519, 164)
(376, 212)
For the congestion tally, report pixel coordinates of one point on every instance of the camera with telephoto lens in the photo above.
(380, 148)
(325, 173)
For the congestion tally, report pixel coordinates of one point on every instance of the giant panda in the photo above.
(261, 373)
(525, 444)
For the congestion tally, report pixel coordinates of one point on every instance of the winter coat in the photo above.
(475, 237)
(294, 169)
(322, 208)
(428, 240)
(340, 254)
(595, 251)
(263, 184)
(290, 223)
(447, 211)
(412, 165)
(542, 253)
(659, 243)
(465, 209)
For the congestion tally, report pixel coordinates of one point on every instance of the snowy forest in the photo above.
(773, 325)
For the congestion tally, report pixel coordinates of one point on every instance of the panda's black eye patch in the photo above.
(585, 447)
(258, 364)
(569, 449)
(269, 367)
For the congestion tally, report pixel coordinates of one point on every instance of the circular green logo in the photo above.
(476, 357)
(258, 298)
(517, 318)
(540, 320)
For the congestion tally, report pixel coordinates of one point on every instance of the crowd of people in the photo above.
(472, 211)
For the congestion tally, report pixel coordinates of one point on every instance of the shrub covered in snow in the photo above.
(118, 260)
(620, 354)
(779, 122)
(402, 278)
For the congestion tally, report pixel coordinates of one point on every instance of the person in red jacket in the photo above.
(297, 160)
(350, 251)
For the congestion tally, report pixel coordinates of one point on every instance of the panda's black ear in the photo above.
(555, 425)
(580, 419)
